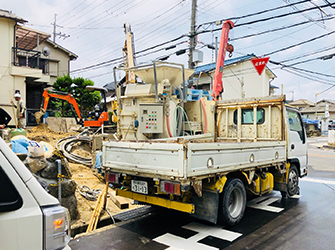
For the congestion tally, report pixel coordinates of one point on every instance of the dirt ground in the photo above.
(81, 174)
(43, 133)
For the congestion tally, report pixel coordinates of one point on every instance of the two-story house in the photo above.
(240, 78)
(29, 62)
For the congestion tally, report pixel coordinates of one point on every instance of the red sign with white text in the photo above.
(260, 64)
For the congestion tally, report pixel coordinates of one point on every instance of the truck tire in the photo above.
(292, 183)
(233, 202)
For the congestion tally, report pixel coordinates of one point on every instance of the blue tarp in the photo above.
(310, 121)
(20, 146)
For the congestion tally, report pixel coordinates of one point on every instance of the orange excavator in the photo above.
(96, 118)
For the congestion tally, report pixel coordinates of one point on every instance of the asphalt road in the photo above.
(270, 222)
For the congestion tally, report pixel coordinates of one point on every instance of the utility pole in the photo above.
(192, 32)
(59, 33)
(54, 33)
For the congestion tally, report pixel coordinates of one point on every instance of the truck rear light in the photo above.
(56, 227)
(170, 187)
(112, 177)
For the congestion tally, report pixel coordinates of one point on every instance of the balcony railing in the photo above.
(29, 58)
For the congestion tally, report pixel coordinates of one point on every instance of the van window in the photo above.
(248, 116)
(295, 124)
(10, 199)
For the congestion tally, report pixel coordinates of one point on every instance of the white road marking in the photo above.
(318, 180)
(263, 204)
(176, 242)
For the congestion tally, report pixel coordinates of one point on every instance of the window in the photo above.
(10, 199)
(296, 124)
(248, 116)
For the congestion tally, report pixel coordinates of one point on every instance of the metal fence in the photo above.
(29, 58)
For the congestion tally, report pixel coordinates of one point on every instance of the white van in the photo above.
(30, 218)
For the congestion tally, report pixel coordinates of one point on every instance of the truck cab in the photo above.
(30, 218)
(297, 142)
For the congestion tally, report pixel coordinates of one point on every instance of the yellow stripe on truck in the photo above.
(183, 207)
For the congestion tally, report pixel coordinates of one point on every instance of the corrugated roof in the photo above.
(211, 66)
(10, 15)
(27, 37)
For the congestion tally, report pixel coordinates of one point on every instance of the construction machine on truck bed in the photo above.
(180, 149)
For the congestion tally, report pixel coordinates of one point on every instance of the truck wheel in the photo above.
(292, 183)
(233, 202)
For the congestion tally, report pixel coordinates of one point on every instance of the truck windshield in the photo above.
(296, 124)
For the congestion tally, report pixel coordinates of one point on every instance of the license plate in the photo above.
(139, 187)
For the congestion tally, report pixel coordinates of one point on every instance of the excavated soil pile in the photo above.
(43, 133)
(81, 174)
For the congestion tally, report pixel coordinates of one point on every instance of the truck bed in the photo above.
(186, 160)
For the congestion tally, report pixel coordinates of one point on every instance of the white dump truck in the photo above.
(178, 148)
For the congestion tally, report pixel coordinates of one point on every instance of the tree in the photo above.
(85, 98)
(62, 84)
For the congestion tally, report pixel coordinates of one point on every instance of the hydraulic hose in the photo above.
(180, 122)
(205, 114)
(168, 125)
(65, 145)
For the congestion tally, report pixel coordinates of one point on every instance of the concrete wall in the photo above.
(62, 124)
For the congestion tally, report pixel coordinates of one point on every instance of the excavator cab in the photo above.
(99, 116)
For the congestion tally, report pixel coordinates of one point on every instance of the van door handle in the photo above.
(292, 146)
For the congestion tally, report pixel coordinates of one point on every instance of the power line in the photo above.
(72, 9)
(298, 44)
(281, 28)
(144, 50)
(254, 14)
(267, 19)
(305, 15)
(308, 77)
(309, 54)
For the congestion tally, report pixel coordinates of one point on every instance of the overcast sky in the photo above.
(96, 34)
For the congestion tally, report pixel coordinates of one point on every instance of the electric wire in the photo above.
(256, 13)
(301, 43)
(262, 20)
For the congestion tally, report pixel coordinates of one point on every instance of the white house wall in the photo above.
(59, 61)
(8, 83)
(254, 85)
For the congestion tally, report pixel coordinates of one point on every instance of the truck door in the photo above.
(297, 143)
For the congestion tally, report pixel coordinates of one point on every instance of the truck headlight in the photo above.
(56, 227)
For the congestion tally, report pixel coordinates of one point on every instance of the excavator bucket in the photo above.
(39, 114)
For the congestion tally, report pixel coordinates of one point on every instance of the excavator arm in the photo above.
(47, 94)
